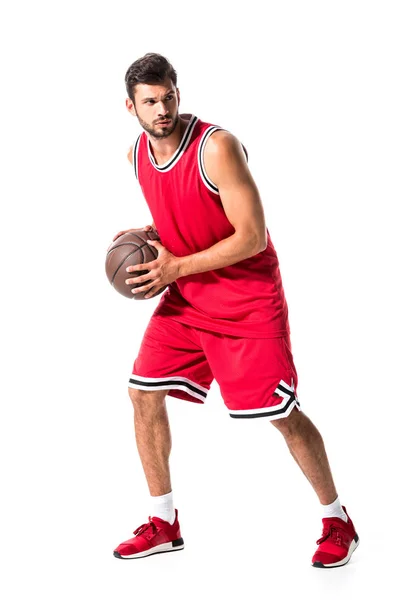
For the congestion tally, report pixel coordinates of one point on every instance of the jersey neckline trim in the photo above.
(179, 151)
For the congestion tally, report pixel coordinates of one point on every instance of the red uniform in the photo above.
(230, 324)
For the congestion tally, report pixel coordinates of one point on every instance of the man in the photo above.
(224, 313)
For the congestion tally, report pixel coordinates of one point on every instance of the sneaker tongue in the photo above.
(158, 519)
(337, 520)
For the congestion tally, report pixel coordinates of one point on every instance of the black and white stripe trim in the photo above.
(135, 156)
(200, 157)
(168, 383)
(179, 151)
(278, 411)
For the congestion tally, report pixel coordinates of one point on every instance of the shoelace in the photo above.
(143, 528)
(333, 532)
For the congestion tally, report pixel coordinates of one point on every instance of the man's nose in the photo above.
(162, 108)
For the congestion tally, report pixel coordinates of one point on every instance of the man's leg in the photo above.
(339, 538)
(260, 380)
(153, 438)
(307, 448)
(170, 361)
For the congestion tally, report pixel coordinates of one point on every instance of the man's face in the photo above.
(155, 104)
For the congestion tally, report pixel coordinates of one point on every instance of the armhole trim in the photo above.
(200, 158)
(206, 180)
(135, 156)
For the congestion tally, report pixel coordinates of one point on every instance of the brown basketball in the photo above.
(130, 249)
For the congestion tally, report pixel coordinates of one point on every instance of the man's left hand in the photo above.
(162, 271)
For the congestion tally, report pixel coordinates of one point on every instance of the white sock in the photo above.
(163, 507)
(334, 510)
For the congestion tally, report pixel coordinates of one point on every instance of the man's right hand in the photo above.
(147, 228)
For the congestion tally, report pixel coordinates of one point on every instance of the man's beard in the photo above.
(160, 134)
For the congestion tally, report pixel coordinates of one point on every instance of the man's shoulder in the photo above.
(129, 154)
(222, 143)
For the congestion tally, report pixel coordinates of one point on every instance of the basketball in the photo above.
(128, 250)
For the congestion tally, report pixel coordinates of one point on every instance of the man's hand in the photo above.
(162, 271)
(146, 228)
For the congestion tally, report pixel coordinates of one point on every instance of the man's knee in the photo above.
(147, 401)
(135, 395)
(292, 424)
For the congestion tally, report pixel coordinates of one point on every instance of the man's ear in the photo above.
(178, 96)
(130, 106)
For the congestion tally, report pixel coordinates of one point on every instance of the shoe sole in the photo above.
(354, 544)
(160, 549)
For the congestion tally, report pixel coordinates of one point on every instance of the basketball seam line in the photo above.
(120, 265)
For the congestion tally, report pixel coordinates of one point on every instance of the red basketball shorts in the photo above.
(257, 377)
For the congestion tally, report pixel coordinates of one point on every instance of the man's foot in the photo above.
(152, 538)
(337, 544)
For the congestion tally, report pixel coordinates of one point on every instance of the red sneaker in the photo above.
(337, 544)
(152, 538)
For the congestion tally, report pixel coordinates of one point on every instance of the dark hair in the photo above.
(151, 69)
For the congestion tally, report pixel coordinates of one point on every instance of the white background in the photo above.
(312, 90)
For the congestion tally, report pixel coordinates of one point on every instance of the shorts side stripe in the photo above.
(266, 412)
(272, 412)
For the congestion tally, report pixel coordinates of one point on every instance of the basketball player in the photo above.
(224, 314)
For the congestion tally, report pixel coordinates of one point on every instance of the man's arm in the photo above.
(226, 166)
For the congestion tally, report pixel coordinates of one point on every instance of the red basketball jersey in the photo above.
(245, 299)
